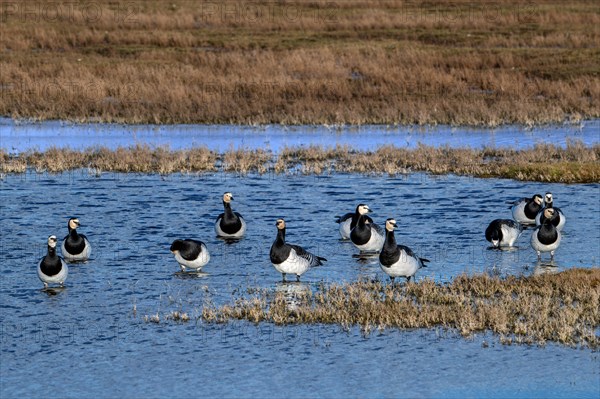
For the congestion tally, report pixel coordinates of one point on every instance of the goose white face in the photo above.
(495, 243)
(537, 199)
(52, 241)
(548, 198)
(280, 224)
(548, 213)
(227, 197)
(390, 224)
(74, 223)
(363, 209)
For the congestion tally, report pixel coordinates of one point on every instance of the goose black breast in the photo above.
(360, 235)
(532, 209)
(547, 234)
(51, 265)
(230, 224)
(280, 252)
(389, 257)
(75, 243)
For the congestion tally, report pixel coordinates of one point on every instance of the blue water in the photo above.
(20, 136)
(91, 339)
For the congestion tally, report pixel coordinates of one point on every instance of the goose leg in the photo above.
(539, 254)
(297, 278)
(551, 255)
(45, 285)
(182, 268)
(283, 276)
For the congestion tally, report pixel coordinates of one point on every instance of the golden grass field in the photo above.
(575, 163)
(301, 62)
(560, 307)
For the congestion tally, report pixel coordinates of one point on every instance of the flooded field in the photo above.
(131, 219)
(20, 136)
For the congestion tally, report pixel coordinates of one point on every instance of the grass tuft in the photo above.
(560, 307)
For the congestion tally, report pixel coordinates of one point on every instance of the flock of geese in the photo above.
(395, 260)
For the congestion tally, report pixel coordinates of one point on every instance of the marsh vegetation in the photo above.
(576, 163)
(296, 62)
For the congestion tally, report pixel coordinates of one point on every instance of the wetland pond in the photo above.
(91, 339)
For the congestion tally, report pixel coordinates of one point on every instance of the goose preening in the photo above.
(348, 222)
(75, 246)
(546, 237)
(525, 210)
(52, 269)
(503, 232)
(189, 253)
(398, 260)
(558, 220)
(291, 259)
(229, 224)
(366, 235)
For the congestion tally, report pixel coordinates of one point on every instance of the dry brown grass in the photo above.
(545, 162)
(292, 62)
(559, 307)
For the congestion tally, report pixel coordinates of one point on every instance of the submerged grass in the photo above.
(560, 307)
(457, 62)
(576, 163)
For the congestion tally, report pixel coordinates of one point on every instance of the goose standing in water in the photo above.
(348, 222)
(229, 224)
(398, 260)
(546, 237)
(558, 220)
(367, 236)
(190, 253)
(503, 232)
(289, 258)
(52, 268)
(525, 210)
(75, 247)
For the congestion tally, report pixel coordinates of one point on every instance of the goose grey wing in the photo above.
(313, 260)
(219, 217)
(377, 228)
(513, 224)
(342, 219)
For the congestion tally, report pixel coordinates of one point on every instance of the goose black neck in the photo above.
(361, 221)
(51, 251)
(390, 239)
(73, 233)
(228, 212)
(280, 237)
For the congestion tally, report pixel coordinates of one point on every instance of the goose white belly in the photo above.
(56, 279)
(406, 266)
(509, 235)
(197, 263)
(237, 234)
(84, 255)
(345, 228)
(374, 244)
(518, 212)
(294, 264)
(540, 247)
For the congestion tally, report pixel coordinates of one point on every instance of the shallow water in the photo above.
(131, 221)
(20, 136)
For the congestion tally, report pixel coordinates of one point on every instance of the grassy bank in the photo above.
(548, 163)
(559, 307)
(300, 62)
